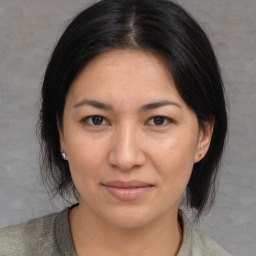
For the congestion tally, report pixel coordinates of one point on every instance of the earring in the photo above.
(63, 154)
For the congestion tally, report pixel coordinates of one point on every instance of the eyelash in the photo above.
(86, 120)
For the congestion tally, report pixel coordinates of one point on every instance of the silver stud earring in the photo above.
(63, 154)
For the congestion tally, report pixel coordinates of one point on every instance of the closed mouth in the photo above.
(128, 190)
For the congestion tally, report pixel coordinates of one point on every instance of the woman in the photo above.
(133, 117)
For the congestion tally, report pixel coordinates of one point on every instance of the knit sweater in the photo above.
(50, 236)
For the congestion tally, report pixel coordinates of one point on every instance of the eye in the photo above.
(159, 120)
(95, 120)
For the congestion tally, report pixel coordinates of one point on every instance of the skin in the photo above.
(128, 143)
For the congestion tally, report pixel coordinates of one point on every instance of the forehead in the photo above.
(124, 74)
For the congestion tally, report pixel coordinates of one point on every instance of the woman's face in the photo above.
(131, 140)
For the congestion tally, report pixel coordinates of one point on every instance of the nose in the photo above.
(126, 151)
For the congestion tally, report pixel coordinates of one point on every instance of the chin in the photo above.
(130, 218)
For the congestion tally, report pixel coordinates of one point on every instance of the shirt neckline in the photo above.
(64, 241)
(62, 234)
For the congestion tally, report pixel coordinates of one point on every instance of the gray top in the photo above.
(50, 235)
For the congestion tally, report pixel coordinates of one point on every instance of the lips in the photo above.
(127, 190)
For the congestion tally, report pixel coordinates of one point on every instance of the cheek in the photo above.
(85, 159)
(173, 159)
(85, 166)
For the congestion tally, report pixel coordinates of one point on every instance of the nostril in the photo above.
(126, 160)
(125, 150)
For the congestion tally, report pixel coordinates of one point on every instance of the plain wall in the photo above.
(28, 31)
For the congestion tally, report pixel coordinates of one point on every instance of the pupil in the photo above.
(97, 120)
(158, 120)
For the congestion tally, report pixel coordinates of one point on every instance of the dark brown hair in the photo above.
(158, 26)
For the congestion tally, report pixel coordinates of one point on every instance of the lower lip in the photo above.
(127, 194)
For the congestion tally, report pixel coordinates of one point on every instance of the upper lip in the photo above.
(126, 184)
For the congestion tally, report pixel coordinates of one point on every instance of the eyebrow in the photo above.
(158, 104)
(143, 108)
(95, 104)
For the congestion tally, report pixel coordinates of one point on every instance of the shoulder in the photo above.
(34, 237)
(195, 243)
(207, 246)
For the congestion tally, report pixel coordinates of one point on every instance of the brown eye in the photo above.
(159, 120)
(96, 120)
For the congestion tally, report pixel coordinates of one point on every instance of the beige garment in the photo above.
(50, 236)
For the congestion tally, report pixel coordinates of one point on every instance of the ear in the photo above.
(62, 141)
(204, 140)
(61, 136)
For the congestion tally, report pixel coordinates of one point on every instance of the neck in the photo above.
(93, 236)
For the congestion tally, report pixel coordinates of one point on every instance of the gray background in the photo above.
(29, 30)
